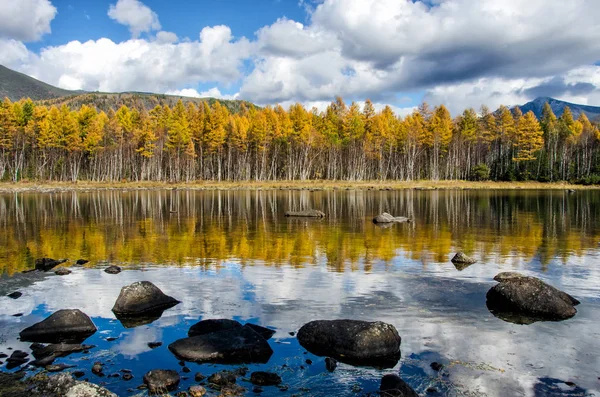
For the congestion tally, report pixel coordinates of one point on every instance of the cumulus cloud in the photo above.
(25, 20)
(193, 93)
(135, 15)
(166, 37)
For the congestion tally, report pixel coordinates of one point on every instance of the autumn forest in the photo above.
(201, 141)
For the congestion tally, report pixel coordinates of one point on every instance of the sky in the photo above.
(461, 53)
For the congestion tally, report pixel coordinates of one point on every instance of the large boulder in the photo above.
(46, 264)
(212, 325)
(67, 325)
(161, 380)
(387, 218)
(141, 298)
(236, 345)
(524, 300)
(306, 214)
(352, 341)
(393, 386)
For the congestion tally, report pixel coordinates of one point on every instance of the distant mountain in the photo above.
(16, 86)
(558, 107)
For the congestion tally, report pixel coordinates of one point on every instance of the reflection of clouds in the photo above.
(433, 313)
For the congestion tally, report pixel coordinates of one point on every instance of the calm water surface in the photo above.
(235, 255)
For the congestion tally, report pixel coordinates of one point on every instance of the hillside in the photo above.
(558, 107)
(15, 86)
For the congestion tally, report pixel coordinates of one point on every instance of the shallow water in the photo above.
(234, 255)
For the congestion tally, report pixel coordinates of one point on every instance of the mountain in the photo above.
(15, 86)
(558, 106)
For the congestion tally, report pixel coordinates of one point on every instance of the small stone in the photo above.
(196, 391)
(115, 375)
(160, 380)
(78, 374)
(261, 378)
(241, 371)
(199, 377)
(57, 367)
(17, 315)
(182, 394)
(62, 271)
(222, 378)
(182, 363)
(186, 370)
(15, 295)
(126, 371)
(111, 339)
(97, 368)
(292, 333)
(127, 377)
(570, 384)
(309, 361)
(154, 345)
(81, 261)
(284, 388)
(436, 366)
(432, 390)
(257, 389)
(112, 270)
(330, 364)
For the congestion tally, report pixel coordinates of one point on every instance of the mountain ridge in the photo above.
(558, 107)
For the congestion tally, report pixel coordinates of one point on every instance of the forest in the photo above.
(206, 141)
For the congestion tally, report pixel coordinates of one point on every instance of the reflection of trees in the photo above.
(207, 227)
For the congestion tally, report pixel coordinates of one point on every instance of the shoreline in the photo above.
(48, 187)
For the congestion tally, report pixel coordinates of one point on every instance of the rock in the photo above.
(222, 378)
(161, 380)
(330, 364)
(154, 345)
(196, 391)
(81, 262)
(524, 300)
(306, 214)
(67, 325)
(140, 298)
(16, 359)
(262, 331)
(111, 339)
(199, 377)
(46, 264)
(78, 374)
(45, 355)
(15, 295)
(352, 341)
(257, 389)
(292, 333)
(18, 315)
(65, 386)
(58, 367)
(236, 345)
(62, 271)
(436, 366)
(387, 218)
(186, 370)
(262, 378)
(460, 257)
(393, 386)
(97, 368)
(212, 325)
(232, 390)
(127, 377)
(112, 270)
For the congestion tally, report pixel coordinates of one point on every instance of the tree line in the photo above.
(188, 142)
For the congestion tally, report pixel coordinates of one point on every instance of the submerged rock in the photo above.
(306, 214)
(45, 355)
(387, 218)
(261, 378)
(330, 364)
(229, 346)
(62, 271)
(46, 264)
(212, 325)
(16, 359)
(161, 380)
(15, 295)
(393, 386)
(112, 269)
(352, 341)
(266, 333)
(81, 262)
(67, 325)
(154, 345)
(142, 298)
(222, 378)
(196, 391)
(524, 300)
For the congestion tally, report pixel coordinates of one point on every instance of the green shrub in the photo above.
(480, 172)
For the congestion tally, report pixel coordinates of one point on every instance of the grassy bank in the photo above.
(285, 185)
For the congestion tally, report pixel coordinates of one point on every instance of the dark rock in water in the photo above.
(67, 325)
(78, 374)
(196, 391)
(230, 346)
(3, 355)
(292, 333)
(15, 295)
(18, 315)
(127, 377)
(111, 339)
(222, 378)
(308, 361)
(330, 364)
(262, 378)
(81, 262)
(45, 355)
(306, 214)
(161, 380)
(62, 271)
(212, 325)
(16, 359)
(352, 341)
(393, 386)
(97, 368)
(112, 270)
(154, 345)
(141, 298)
(524, 300)
(186, 370)
(58, 367)
(257, 389)
(46, 264)
(262, 331)
(462, 261)
(199, 377)
(436, 366)
(387, 218)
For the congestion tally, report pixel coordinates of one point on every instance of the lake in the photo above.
(233, 254)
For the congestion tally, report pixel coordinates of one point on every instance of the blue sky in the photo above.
(462, 53)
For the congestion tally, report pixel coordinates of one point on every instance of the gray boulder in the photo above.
(393, 386)
(461, 261)
(67, 325)
(237, 345)
(112, 269)
(524, 300)
(161, 380)
(306, 214)
(352, 341)
(387, 218)
(62, 271)
(140, 298)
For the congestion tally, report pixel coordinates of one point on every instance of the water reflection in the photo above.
(204, 228)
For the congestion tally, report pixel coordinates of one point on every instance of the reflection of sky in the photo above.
(439, 312)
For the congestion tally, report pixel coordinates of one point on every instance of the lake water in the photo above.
(233, 254)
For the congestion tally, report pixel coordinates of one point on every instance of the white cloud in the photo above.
(193, 93)
(13, 52)
(25, 20)
(135, 15)
(163, 37)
